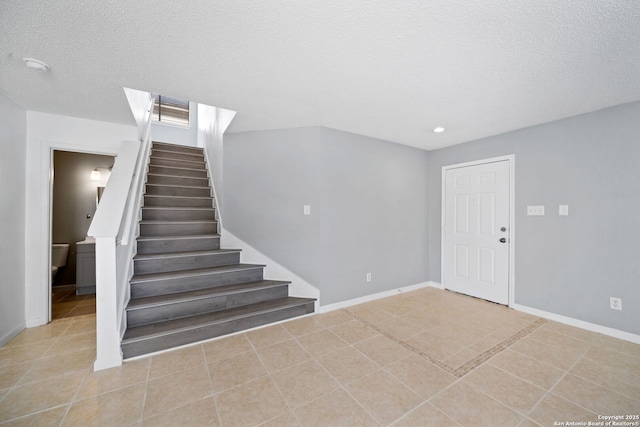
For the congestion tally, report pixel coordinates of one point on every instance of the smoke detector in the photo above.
(36, 64)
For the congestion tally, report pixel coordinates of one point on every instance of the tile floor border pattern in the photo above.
(467, 367)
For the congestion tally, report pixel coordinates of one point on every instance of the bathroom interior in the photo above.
(78, 182)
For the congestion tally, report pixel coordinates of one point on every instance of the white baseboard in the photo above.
(32, 323)
(113, 361)
(615, 333)
(372, 297)
(435, 285)
(11, 334)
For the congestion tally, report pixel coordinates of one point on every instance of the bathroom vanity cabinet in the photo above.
(86, 267)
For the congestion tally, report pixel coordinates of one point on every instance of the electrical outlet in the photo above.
(368, 277)
(563, 210)
(615, 303)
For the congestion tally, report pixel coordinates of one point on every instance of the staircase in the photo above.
(185, 288)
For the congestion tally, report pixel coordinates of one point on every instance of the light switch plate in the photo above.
(307, 209)
(535, 210)
(563, 210)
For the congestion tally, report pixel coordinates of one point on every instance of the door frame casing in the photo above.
(51, 149)
(511, 159)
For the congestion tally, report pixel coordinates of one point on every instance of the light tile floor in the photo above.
(65, 302)
(424, 358)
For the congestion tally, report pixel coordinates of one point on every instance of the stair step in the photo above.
(177, 228)
(146, 285)
(175, 171)
(172, 333)
(178, 201)
(182, 181)
(163, 161)
(178, 213)
(174, 155)
(174, 190)
(181, 261)
(168, 244)
(143, 311)
(176, 148)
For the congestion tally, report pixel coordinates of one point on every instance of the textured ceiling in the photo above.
(387, 69)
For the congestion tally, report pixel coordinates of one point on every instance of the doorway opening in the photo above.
(77, 182)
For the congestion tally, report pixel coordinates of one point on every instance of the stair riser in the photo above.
(179, 229)
(182, 284)
(178, 245)
(177, 156)
(179, 202)
(176, 148)
(150, 345)
(163, 170)
(159, 190)
(178, 215)
(183, 263)
(177, 180)
(155, 161)
(149, 315)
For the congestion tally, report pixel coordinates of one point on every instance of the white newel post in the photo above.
(108, 353)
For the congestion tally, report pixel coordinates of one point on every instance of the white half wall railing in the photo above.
(115, 227)
(212, 123)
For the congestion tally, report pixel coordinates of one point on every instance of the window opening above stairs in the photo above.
(170, 110)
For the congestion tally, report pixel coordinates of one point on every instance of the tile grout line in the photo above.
(601, 385)
(401, 342)
(467, 367)
(462, 381)
(568, 372)
(255, 350)
(549, 392)
(213, 393)
(40, 411)
(146, 386)
(340, 385)
(35, 361)
(344, 386)
(315, 359)
(498, 348)
(426, 402)
(75, 396)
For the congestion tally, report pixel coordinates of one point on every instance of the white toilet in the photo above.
(59, 254)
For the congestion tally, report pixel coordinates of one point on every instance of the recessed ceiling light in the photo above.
(36, 64)
(438, 129)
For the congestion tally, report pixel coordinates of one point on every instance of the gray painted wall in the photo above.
(74, 196)
(368, 207)
(13, 136)
(568, 265)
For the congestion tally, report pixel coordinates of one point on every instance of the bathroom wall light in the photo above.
(36, 64)
(95, 175)
(439, 129)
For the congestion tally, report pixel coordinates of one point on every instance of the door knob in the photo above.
(503, 240)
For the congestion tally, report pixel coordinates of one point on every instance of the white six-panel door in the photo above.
(476, 230)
